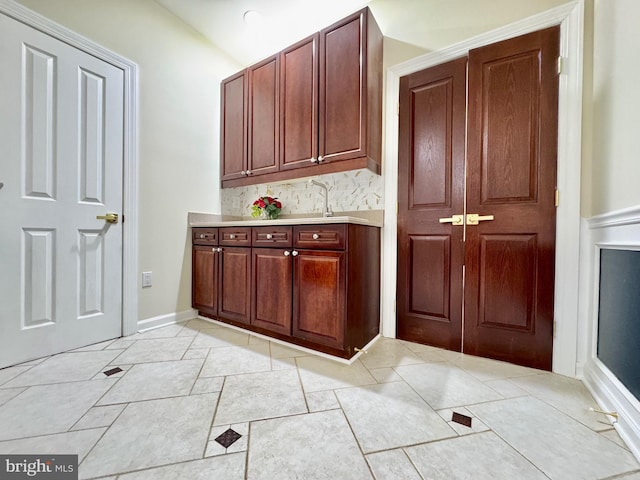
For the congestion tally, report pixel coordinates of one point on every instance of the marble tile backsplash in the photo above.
(348, 191)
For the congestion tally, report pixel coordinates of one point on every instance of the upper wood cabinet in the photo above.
(233, 134)
(350, 103)
(263, 118)
(299, 103)
(250, 121)
(314, 108)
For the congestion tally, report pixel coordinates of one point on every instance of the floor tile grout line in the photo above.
(304, 392)
(518, 452)
(80, 462)
(204, 360)
(355, 437)
(213, 417)
(415, 467)
(246, 458)
(621, 476)
(565, 414)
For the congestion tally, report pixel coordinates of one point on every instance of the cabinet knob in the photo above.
(214, 249)
(243, 173)
(248, 172)
(320, 159)
(313, 160)
(269, 236)
(315, 236)
(202, 235)
(294, 253)
(287, 253)
(219, 250)
(232, 236)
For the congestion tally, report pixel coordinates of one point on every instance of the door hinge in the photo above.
(559, 65)
(557, 198)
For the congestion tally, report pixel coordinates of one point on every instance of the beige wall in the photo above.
(616, 106)
(179, 78)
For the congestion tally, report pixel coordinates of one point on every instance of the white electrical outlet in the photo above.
(147, 278)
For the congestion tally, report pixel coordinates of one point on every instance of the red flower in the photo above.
(261, 203)
(278, 204)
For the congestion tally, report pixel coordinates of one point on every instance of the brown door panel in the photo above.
(511, 174)
(431, 186)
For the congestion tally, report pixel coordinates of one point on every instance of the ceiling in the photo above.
(428, 24)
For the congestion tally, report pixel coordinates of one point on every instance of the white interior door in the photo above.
(61, 147)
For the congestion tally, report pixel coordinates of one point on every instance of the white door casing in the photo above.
(570, 17)
(68, 132)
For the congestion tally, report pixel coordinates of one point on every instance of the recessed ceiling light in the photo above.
(252, 17)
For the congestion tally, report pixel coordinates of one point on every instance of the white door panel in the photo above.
(61, 141)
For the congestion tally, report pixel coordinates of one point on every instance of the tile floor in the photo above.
(200, 400)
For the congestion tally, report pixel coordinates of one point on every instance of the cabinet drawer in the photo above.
(272, 236)
(204, 236)
(238, 236)
(330, 237)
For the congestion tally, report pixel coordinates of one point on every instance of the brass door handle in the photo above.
(475, 219)
(109, 217)
(453, 220)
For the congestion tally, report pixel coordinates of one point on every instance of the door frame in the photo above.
(130, 154)
(570, 17)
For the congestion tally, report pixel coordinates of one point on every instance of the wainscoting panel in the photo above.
(619, 230)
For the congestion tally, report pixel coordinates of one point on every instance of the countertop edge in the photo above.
(372, 218)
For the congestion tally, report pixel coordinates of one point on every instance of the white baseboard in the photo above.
(612, 396)
(168, 319)
(346, 361)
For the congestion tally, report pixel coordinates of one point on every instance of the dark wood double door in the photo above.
(476, 204)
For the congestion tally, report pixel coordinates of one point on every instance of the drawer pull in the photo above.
(269, 236)
(315, 236)
(202, 235)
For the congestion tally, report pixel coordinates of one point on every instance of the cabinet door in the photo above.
(235, 284)
(342, 91)
(263, 118)
(205, 280)
(299, 104)
(320, 297)
(233, 126)
(272, 282)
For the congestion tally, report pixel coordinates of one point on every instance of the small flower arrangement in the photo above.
(267, 207)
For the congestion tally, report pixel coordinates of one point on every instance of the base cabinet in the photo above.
(317, 286)
(234, 301)
(272, 294)
(319, 297)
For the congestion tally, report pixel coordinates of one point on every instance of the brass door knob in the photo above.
(475, 219)
(109, 217)
(453, 220)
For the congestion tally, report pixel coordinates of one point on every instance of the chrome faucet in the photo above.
(327, 209)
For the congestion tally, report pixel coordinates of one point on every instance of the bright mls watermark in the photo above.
(51, 467)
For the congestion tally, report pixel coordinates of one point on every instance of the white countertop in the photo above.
(372, 218)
